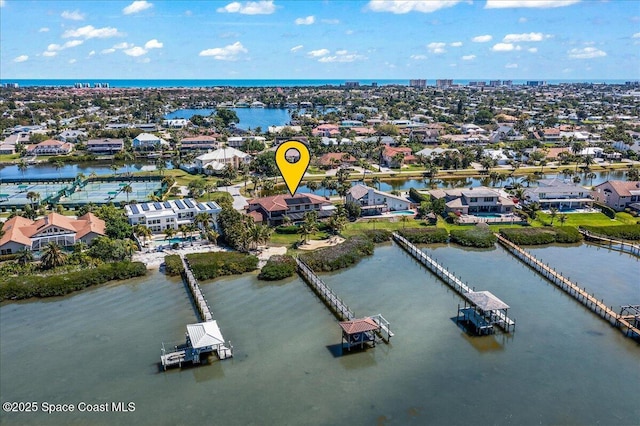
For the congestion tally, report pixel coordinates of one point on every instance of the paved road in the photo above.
(239, 201)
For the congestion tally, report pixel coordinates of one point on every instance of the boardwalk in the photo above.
(334, 303)
(450, 279)
(624, 246)
(580, 294)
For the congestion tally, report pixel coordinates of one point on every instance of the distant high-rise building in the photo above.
(351, 84)
(494, 83)
(477, 84)
(418, 83)
(444, 83)
(536, 83)
(507, 83)
(11, 85)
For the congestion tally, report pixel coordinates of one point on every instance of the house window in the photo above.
(474, 199)
(488, 198)
(298, 207)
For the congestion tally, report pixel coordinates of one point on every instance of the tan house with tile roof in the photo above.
(272, 209)
(617, 194)
(21, 233)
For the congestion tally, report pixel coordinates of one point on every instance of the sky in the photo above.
(294, 39)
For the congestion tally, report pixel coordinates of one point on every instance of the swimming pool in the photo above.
(403, 212)
(489, 215)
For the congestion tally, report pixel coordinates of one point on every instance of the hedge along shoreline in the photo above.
(278, 268)
(173, 265)
(17, 288)
(478, 236)
(539, 236)
(625, 232)
(206, 266)
(425, 235)
(339, 256)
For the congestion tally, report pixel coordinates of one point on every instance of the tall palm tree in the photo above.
(553, 212)
(404, 219)
(309, 225)
(142, 231)
(58, 164)
(212, 236)
(203, 220)
(33, 197)
(169, 233)
(563, 218)
(127, 189)
(24, 256)
(130, 247)
(22, 166)
(52, 256)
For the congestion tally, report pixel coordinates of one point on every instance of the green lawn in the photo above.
(9, 157)
(590, 219)
(290, 239)
(355, 228)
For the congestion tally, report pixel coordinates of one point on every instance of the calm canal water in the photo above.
(563, 365)
(250, 118)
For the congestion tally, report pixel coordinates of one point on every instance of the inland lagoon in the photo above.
(562, 365)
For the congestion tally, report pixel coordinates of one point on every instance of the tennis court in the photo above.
(16, 194)
(111, 192)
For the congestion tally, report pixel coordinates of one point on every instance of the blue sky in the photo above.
(155, 39)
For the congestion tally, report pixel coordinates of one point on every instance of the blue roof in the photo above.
(134, 209)
(145, 207)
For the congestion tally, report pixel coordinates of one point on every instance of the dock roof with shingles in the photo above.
(486, 300)
(359, 325)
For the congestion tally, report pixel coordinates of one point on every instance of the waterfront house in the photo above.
(24, 234)
(215, 162)
(326, 130)
(147, 141)
(50, 147)
(159, 216)
(72, 135)
(273, 209)
(617, 194)
(373, 201)
(474, 200)
(558, 194)
(105, 146)
(199, 143)
(336, 159)
(176, 123)
(397, 156)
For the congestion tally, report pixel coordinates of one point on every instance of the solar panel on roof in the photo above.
(180, 205)
(134, 209)
(202, 206)
(158, 206)
(212, 205)
(189, 203)
(167, 205)
(145, 207)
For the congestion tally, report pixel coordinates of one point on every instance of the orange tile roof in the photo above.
(279, 202)
(359, 325)
(13, 231)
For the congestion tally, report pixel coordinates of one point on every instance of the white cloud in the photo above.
(2, 3)
(21, 58)
(43, 30)
(636, 35)
(153, 44)
(72, 43)
(319, 52)
(296, 48)
(456, 44)
(73, 16)
(330, 21)
(586, 53)
(135, 51)
(227, 53)
(137, 6)
(249, 8)
(482, 38)
(503, 47)
(107, 51)
(53, 48)
(515, 38)
(123, 45)
(436, 47)
(93, 52)
(72, 61)
(468, 57)
(144, 60)
(511, 66)
(90, 31)
(506, 4)
(418, 57)
(306, 21)
(342, 56)
(522, 20)
(49, 53)
(532, 50)
(406, 6)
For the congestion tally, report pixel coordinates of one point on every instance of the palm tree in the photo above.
(203, 219)
(376, 181)
(553, 212)
(404, 219)
(52, 256)
(24, 256)
(184, 229)
(33, 197)
(563, 218)
(212, 236)
(58, 164)
(161, 166)
(313, 186)
(130, 247)
(22, 166)
(309, 225)
(591, 176)
(169, 233)
(127, 189)
(114, 168)
(143, 232)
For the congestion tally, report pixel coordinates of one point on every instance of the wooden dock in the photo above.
(497, 317)
(613, 243)
(580, 294)
(337, 305)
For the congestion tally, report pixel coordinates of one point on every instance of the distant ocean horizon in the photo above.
(192, 83)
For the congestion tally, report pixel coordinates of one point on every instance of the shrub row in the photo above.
(418, 197)
(210, 265)
(378, 235)
(608, 211)
(11, 256)
(340, 256)
(173, 265)
(278, 268)
(425, 235)
(477, 236)
(537, 236)
(625, 232)
(23, 287)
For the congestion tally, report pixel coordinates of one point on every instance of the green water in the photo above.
(563, 365)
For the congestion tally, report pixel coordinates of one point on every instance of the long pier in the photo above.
(580, 294)
(335, 304)
(625, 246)
(450, 279)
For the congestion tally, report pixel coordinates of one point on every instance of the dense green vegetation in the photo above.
(173, 264)
(23, 287)
(378, 235)
(210, 265)
(625, 232)
(537, 236)
(478, 236)
(341, 256)
(278, 268)
(611, 213)
(425, 235)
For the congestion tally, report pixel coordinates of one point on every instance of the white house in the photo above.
(159, 216)
(148, 141)
(373, 201)
(215, 161)
(558, 194)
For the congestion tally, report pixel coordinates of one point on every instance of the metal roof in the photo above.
(205, 334)
(486, 301)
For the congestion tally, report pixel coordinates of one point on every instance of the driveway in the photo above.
(239, 201)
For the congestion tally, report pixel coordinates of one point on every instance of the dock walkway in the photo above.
(498, 317)
(580, 294)
(335, 304)
(624, 246)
